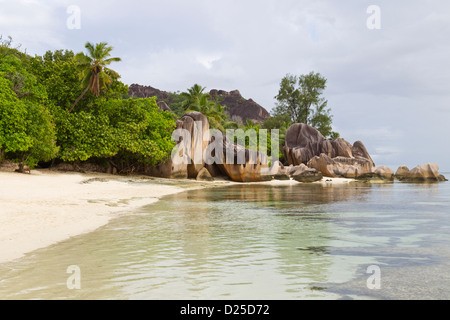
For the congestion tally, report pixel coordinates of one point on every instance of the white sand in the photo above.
(44, 208)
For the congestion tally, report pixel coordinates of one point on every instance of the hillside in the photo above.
(238, 108)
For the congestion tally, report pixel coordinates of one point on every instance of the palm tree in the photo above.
(194, 96)
(93, 69)
(213, 111)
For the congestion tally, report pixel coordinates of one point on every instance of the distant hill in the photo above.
(138, 91)
(238, 108)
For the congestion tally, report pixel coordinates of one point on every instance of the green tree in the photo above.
(194, 96)
(41, 135)
(197, 100)
(93, 69)
(301, 99)
(27, 133)
(13, 122)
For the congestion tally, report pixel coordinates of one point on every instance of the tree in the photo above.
(27, 133)
(94, 71)
(42, 137)
(194, 96)
(197, 100)
(301, 99)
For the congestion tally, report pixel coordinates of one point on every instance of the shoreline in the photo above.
(45, 207)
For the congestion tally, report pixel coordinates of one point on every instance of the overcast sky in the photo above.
(388, 86)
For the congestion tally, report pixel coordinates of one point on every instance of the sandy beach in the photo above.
(45, 207)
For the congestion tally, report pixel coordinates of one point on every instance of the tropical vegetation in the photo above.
(72, 107)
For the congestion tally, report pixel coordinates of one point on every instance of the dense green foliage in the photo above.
(301, 99)
(27, 131)
(67, 107)
(36, 125)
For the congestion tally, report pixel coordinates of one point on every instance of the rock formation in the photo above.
(341, 166)
(138, 91)
(254, 169)
(310, 155)
(304, 142)
(423, 173)
(381, 173)
(402, 172)
(197, 125)
(238, 107)
(336, 158)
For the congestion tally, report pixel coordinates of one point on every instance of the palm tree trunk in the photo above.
(79, 98)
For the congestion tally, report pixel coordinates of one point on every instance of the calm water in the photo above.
(256, 242)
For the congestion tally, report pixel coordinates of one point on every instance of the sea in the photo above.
(355, 241)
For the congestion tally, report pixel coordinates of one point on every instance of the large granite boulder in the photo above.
(247, 165)
(360, 152)
(402, 172)
(341, 167)
(305, 174)
(381, 173)
(197, 126)
(423, 173)
(304, 142)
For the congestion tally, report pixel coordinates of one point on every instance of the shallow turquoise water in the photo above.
(256, 242)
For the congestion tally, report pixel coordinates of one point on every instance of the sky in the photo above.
(387, 63)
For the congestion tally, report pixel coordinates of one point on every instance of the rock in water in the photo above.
(341, 166)
(308, 176)
(424, 173)
(402, 172)
(381, 173)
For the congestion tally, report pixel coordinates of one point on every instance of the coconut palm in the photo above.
(194, 96)
(93, 68)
